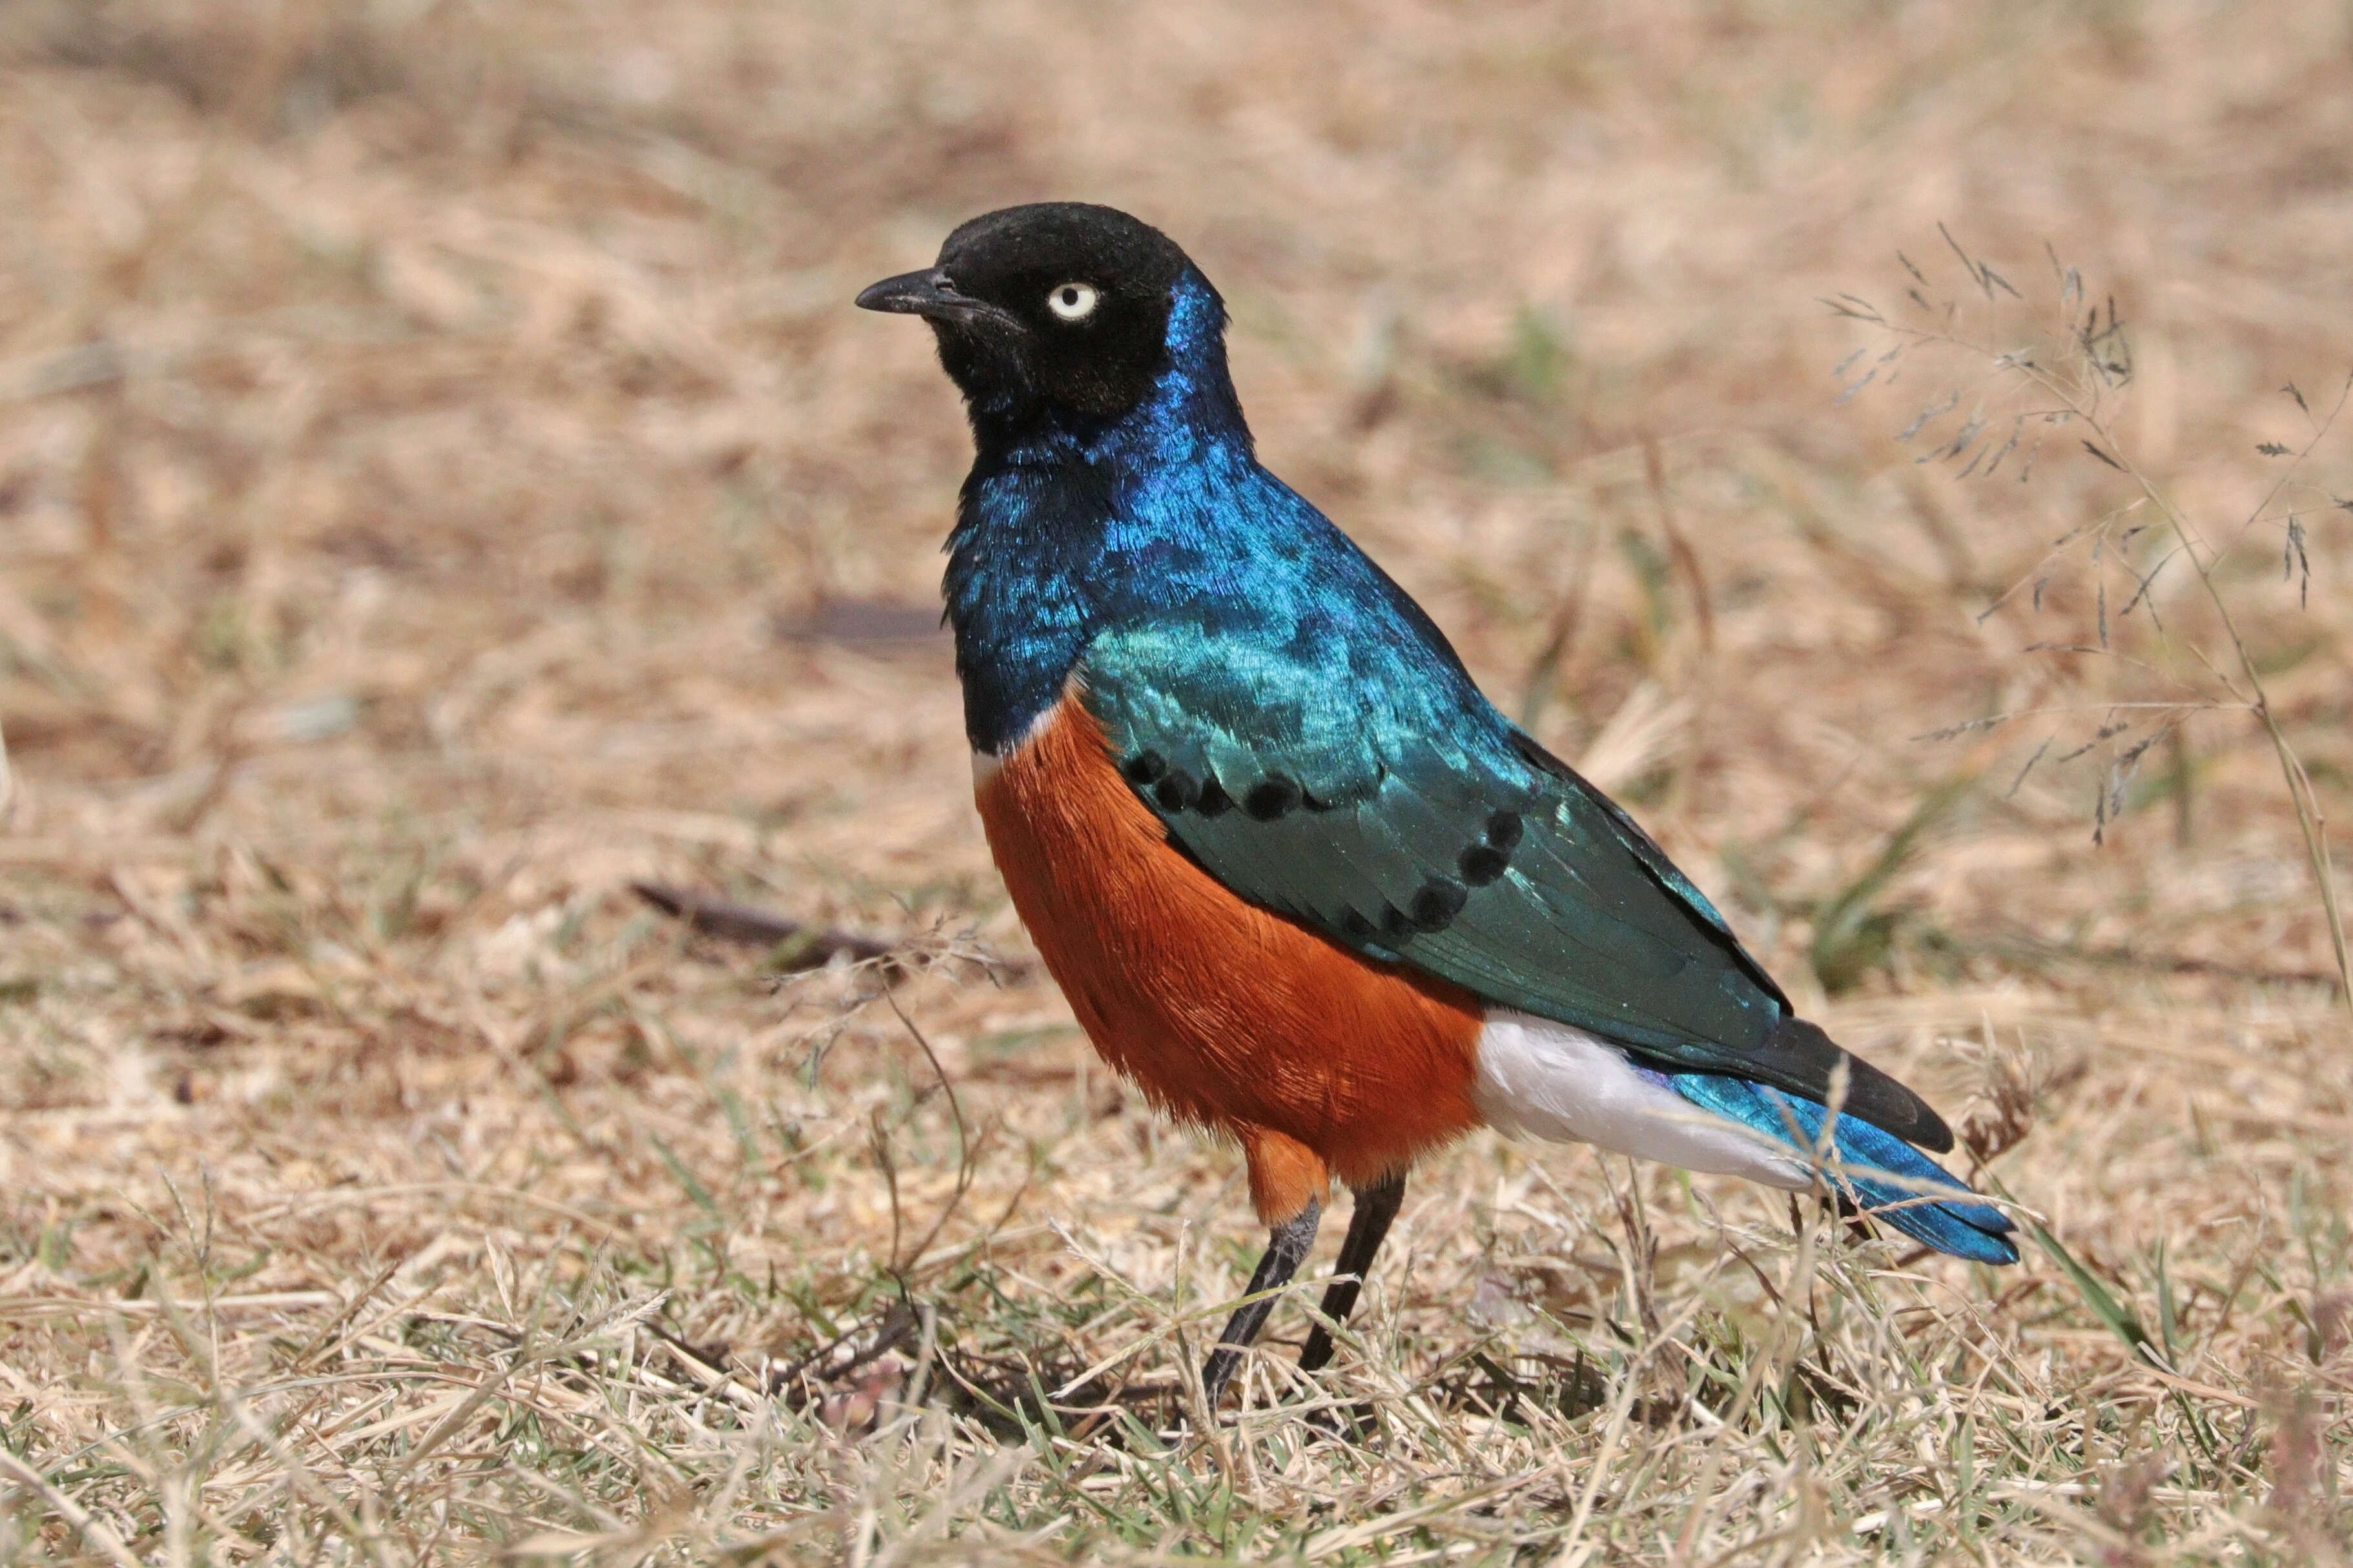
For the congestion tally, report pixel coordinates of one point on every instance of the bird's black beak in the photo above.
(926, 293)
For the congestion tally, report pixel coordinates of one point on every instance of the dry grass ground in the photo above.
(442, 480)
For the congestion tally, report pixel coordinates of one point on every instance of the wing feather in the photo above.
(1402, 816)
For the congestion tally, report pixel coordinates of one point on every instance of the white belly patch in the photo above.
(1553, 1082)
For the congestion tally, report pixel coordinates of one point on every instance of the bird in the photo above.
(1299, 879)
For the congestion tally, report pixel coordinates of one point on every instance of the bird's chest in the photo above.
(1223, 1012)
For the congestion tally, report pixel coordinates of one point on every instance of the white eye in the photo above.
(1072, 302)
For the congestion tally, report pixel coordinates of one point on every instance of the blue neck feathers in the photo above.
(1066, 525)
(1068, 529)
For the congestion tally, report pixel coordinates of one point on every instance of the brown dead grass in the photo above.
(441, 481)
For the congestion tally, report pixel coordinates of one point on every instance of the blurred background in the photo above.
(442, 481)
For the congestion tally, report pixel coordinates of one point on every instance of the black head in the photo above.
(1059, 303)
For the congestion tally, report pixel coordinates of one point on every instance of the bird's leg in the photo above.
(1286, 1247)
(1375, 1207)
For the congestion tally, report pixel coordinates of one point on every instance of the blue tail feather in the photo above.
(1971, 1230)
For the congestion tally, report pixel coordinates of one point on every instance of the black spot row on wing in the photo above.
(1487, 859)
(1434, 905)
(1174, 788)
(1269, 800)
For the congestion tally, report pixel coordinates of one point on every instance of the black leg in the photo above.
(1377, 1205)
(1286, 1247)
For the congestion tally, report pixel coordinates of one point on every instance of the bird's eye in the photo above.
(1072, 302)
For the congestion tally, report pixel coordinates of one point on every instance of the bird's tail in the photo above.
(1884, 1176)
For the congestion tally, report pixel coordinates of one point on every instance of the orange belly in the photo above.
(1318, 1062)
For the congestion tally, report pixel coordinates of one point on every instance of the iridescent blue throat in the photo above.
(1067, 527)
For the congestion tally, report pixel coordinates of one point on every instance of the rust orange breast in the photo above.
(1320, 1063)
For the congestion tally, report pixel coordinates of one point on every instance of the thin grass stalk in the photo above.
(2309, 816)
(2311, 820)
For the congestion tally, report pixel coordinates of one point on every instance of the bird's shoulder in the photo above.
(1344, 768)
